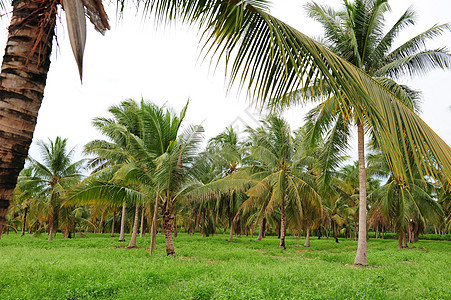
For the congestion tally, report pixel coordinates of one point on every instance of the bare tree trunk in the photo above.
(22, 81)
(24, 222)
(175, 224)
(282, 222)
(335, 231)
(361, 255)
(399, 241)
(114, 223)
(51, 220)
(132, 243)
(203, 223)
(153, 229)
(307, 236)
(122, 233)
(356, 216)
(167, 221)
(262, 229)
(231, 232)
(141, 231)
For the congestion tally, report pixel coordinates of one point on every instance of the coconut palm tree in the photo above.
(156, 161)
(54, 176)
(278, 59)
(281, 182)
(357, 34)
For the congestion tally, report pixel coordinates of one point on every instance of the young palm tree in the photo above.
(54, 176)
(278, 174)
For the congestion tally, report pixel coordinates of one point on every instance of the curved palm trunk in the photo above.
(282, 222)
(24, 222)
(132, 243)
(307, 236)
(22, 82)
(360, 258)
(122, 233)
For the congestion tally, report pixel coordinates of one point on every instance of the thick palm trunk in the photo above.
(307, 236)
(141, 230)
(24, 222)
(22, 82)
(132, 243)
(360, 258)
(262, 229)
(122, 233)
(282, 223)
(167, 227)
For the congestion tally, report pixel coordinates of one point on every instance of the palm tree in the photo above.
(276, 57)
(54, 176)
(356, 34)
(152, 161)
(281, 181)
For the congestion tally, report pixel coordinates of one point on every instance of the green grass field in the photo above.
(100, 267)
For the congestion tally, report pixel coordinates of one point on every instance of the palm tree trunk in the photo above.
(335, 231)
(282, 222)
(231, 233)
(167, 223)
(203, 223)
(307, 236)
(22, 81)
(355, 226)
(132, 243)
(50, 228)
(24, 222)
(141, 231)
(360, 258)
(399, 241)
(262, 229)
(122, 233)
(114, 221)
(153, 229)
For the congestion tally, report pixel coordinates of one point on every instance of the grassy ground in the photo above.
(100, 267)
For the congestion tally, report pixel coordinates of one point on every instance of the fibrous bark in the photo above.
(22, 81)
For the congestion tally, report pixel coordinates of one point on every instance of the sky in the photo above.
(137, 59)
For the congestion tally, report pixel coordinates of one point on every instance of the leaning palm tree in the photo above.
(356, 34)
(268, 57)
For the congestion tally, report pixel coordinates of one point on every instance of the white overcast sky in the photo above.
(136, 60)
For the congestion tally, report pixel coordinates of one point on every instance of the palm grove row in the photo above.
(151, 172)
(352, 73)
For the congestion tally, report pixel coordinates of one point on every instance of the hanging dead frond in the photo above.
(76, 26)
(97, 15)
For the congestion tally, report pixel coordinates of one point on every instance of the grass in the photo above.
(100, 267)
